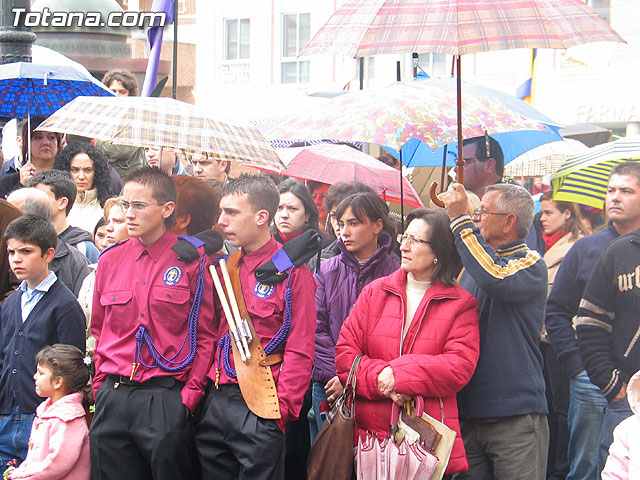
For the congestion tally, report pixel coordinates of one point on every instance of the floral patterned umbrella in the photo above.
(394, 114)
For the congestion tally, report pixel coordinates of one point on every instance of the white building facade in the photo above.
(247, 63)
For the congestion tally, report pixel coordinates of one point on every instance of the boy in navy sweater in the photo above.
(42, 311)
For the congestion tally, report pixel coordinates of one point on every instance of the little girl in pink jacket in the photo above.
(59, 442)
(623, 462)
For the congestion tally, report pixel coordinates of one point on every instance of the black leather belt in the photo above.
(163, 382)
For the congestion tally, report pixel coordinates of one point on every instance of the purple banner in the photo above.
(154, 34)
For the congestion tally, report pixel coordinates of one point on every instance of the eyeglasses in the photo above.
(470, 161)
(137, 206)
(411, 240)
(478, 212)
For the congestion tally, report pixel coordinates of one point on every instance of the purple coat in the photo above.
(340, 281)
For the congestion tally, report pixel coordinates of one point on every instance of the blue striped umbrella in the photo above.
(583, 179)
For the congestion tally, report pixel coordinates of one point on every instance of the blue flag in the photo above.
(154, 34)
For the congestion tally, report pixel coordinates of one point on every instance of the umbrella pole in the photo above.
(459, 160)
(28, 159)
(444, 166)
(401, 195)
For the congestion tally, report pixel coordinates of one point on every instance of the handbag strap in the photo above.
(349, 392)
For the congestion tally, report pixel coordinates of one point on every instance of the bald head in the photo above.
(31, 200)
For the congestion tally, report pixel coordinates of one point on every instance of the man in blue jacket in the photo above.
(503, 408)
(588, 406)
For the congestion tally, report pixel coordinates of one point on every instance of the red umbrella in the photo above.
(372, 27)
(328, 163)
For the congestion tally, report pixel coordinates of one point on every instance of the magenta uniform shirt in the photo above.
(265, 304)
(138, 285)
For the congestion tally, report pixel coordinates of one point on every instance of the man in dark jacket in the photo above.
(607, 314)
(503, 408)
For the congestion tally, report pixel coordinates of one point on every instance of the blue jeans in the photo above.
(317, 397)
(616, 413)
(591, 423)
(15, 430)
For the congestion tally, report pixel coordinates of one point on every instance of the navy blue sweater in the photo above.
(511, 287)
(571, 280)
(57, 318)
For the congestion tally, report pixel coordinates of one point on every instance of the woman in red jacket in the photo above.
(417, 331)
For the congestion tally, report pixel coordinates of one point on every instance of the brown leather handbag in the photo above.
(331, 454)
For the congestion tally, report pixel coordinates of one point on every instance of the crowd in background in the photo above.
(518, 329)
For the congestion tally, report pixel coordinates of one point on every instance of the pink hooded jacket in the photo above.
(59, 442)
(623, 462)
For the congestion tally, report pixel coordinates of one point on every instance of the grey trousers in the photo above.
(507, 449)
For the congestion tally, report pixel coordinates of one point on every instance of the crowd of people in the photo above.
(518, 331)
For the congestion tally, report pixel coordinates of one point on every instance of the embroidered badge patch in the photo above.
(172, 276)
(262, 290)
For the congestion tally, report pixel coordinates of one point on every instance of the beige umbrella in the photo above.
(545, 159)
(161, 122)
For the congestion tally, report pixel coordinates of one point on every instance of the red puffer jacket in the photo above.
(440, 352)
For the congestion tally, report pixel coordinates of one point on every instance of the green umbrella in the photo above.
(583, 179)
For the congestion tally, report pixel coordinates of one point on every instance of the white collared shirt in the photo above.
(31, 297)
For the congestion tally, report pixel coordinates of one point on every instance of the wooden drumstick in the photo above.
(233, 302)
(227, 311)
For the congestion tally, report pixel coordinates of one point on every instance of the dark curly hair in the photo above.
(101, 179)
(125, 77)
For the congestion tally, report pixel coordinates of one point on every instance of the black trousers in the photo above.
(233, 443)
(557, 392)
(141, 432)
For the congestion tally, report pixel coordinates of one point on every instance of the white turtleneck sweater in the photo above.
(415, 292)
(86, 211)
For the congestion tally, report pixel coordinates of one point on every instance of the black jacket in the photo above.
(70, 266)
(608, 321)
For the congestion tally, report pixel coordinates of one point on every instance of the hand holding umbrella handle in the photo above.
(434, 185)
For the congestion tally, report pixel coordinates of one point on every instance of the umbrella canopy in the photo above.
(28, 89)
(394, 114)
(545, 159)
(331, 164)
(161, 122)
(362, 28)
(583, 179)
(512, 143)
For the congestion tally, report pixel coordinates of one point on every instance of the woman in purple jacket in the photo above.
(365, 240)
